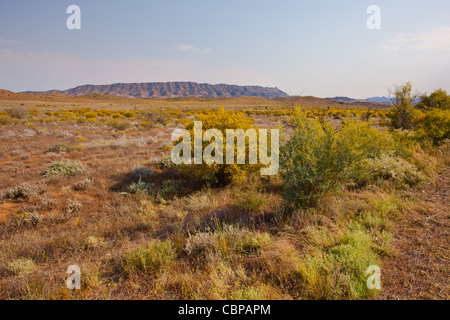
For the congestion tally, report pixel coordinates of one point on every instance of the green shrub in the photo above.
(140, 186)
(149, 258)
(318, 159)
(396, 169)
(435, 125)
(405, 143)
(67, 168)
(250, 201)
(403, 112)
(439, 99)
(167, 190)
(354, 144)
(305, 161)
(339, 270)
(354, 255)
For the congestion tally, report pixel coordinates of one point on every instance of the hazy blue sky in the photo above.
(319, 47)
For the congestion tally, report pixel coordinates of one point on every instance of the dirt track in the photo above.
(420, 267)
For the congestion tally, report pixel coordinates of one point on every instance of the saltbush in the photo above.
(140, 186)
(396, 169)
(319, 158)
(59, 147)
(67, 168)
(25, 190)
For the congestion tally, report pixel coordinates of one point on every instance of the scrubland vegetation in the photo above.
(94, 188)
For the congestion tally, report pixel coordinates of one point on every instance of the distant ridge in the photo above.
(342, 99)
(380, 99)
(387, 100)
(370, 102)
(173, 90)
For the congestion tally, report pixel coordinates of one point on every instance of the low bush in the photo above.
(221, 174)
(395, 169)
(24, 191)
(24, 220)
(21, 266)
(319, 159)
(435, 124)
(336, 251)
(351, 256)
(150, 257)
(93, 242)
(82, 185)
(77, 148)
(229, 242)
(140, 186)
(250, 201)
(5, 119)
(59, 147)
(73, 206)
(120, 124)
(438, 99)
(67, 168)
(16, 113)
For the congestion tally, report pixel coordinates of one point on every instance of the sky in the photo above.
(321, 48)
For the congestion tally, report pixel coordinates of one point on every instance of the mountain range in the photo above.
(382, 100)
(150, 90)
(172, 90)
(351, 100)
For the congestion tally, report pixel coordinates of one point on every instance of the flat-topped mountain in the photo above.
(173, 90)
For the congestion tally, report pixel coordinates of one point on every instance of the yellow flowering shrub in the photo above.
(221, 120)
